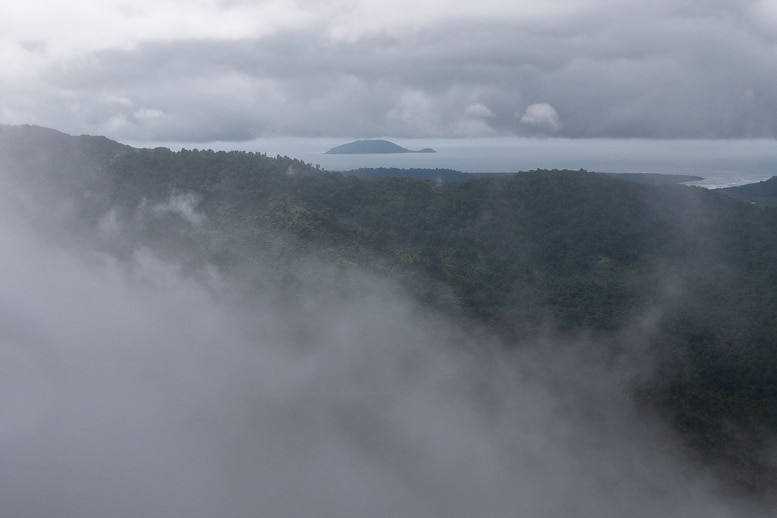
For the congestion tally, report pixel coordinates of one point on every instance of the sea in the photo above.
(721, 163)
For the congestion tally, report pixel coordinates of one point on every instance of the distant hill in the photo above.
(761, 193)
(656, 178)
(365, 147)
(452, 175)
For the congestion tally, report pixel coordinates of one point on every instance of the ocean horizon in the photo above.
(721, 163)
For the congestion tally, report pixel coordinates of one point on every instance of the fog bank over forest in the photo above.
(137, 381)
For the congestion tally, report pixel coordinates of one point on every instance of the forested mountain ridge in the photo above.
(576, 252)
(761, 193)
(451, 175)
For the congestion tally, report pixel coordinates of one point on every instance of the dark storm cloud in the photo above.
(625, 70)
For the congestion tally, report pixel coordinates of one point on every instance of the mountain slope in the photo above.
(762, 193)
(685, 276)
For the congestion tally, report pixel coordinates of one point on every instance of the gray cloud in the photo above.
(541, 115)
(626, 70)
(134, 393)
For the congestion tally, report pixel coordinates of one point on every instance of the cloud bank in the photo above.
(131, 387)
(238, 70)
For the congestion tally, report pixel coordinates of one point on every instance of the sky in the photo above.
(236, 70)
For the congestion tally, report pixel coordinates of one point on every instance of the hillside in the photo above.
(450, 175)
(761, 193)
(437, 175)
(684, 278)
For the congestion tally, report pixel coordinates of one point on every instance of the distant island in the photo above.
(364, 147)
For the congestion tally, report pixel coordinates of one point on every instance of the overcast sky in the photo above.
(231, 70)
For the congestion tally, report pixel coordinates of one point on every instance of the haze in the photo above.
(133, 385)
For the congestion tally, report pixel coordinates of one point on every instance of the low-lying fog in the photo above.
(129, 389)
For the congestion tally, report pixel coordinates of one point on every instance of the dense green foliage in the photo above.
(438, 175)
(451, 175)
(688, 273)
(761, 193)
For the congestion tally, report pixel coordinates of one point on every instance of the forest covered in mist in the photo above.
(637, 325)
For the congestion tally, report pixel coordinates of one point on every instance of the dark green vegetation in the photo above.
(451, 175)
(437, 175)
(685, 275)
(656, 178)
(372, 147)
(761, 193)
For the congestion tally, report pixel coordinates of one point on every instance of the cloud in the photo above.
(132, 390)
(234, 70)
(133, 386)
(183, 205)
(478, 110)
(476, 121)
(542, 116)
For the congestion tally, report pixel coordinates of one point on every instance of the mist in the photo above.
(134, 386)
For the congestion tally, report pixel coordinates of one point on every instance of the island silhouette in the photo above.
(376, 146)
